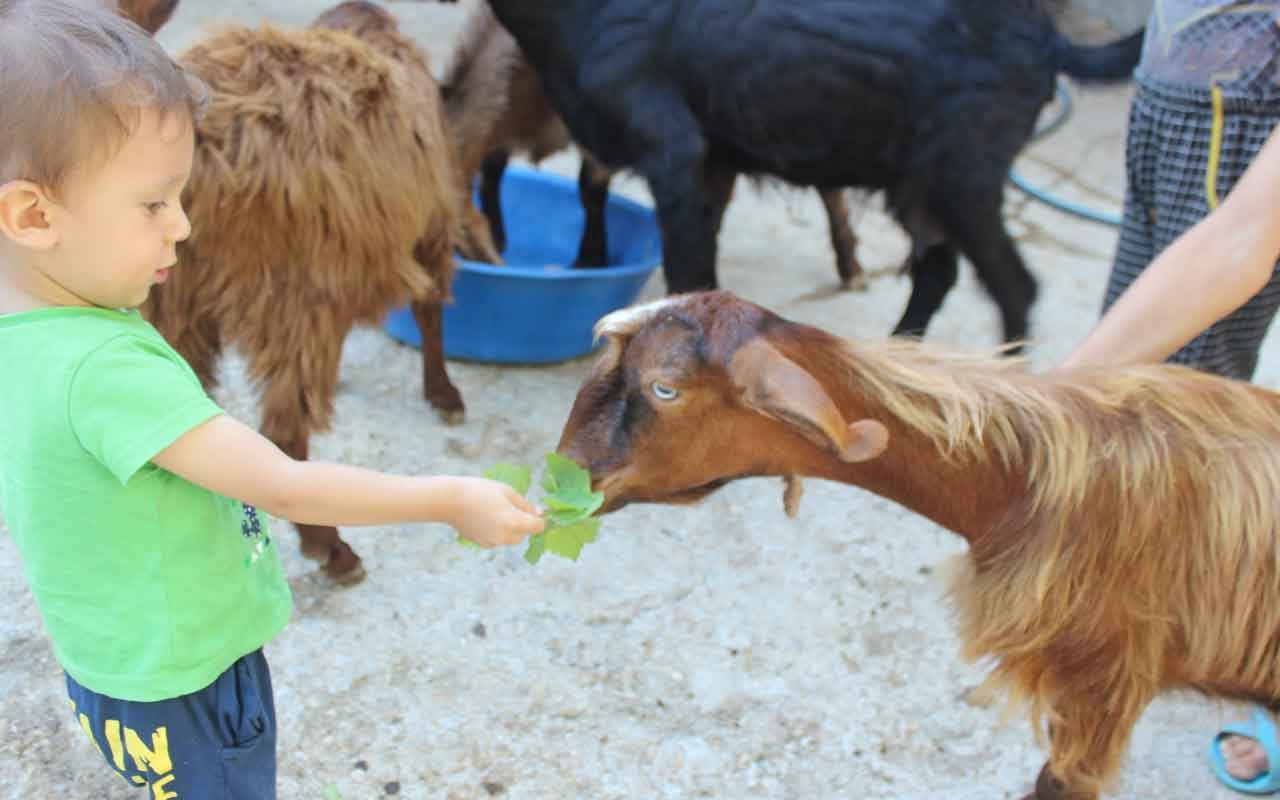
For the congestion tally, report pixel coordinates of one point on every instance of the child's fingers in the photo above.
(521, 502)
(520, 526)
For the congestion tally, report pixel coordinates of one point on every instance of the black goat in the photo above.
(930, 100)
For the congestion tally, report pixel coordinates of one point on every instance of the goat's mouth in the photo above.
(678, 497)
(686, 497)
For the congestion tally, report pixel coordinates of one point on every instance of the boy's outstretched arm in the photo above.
(228, 457)
(1204, 275)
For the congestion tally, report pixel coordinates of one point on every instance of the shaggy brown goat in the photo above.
(322, 196)
(1121, 524)
(496, 107)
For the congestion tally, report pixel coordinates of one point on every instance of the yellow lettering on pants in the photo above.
(158, 792)
(88, 730)
(112, 728)
(154, 759)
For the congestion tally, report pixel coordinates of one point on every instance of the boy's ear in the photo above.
(24, 217)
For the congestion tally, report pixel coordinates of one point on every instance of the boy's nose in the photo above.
(183, 227)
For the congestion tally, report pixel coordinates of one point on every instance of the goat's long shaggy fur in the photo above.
(1123, 525)
(1146, 554)
(319, 166)
(322, 196)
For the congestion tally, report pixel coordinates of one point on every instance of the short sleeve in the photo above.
(131, 398)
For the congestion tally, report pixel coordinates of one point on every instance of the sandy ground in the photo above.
(722, 651)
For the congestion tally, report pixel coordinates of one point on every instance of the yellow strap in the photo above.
(1215, 149)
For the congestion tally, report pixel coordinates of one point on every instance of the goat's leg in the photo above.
(298, 397)
(980, 234)
(933, 273)
(843, 240)
(1088, 740)
(322, 542)
(687, 214)
(491, 171)
(719, 182)
(593, 191)
(439, 391)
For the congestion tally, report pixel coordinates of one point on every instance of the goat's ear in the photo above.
(780, 388)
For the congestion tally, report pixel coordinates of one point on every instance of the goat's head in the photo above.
(150, 14)
(698, 390)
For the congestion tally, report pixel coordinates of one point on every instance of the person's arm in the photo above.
(1204, 275)
(229, 458)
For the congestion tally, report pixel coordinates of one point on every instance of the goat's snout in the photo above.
(603, 479)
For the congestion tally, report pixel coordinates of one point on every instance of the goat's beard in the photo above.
(792, 489)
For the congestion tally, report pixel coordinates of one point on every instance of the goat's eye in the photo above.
(664, 392)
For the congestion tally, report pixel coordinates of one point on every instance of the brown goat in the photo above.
(322, 196)
(1121, 524)
(496, 107)
(375, 26)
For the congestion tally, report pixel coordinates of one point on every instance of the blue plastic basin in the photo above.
(536, 309)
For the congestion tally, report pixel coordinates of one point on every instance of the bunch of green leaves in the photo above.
(568, 502)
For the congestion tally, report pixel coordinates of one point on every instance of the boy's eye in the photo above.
(155, 208)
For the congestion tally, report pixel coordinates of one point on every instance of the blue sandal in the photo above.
(1262, 730)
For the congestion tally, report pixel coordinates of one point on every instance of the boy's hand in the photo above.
(490, 513)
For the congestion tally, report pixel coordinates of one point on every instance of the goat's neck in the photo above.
(967, 493)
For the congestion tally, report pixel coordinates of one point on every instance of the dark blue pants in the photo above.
(215, 744)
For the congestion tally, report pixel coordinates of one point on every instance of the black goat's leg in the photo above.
(593, 191)
(491, 171)
(933, 273)
(719, 182)
(1008, 281)
(687, 214)
(980, 234)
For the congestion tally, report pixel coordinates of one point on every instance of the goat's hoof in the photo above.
(855, 283)
(452, 416)
(1049, 787)
(445, 398)
(344, 568)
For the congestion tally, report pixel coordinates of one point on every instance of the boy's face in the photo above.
(117, 227)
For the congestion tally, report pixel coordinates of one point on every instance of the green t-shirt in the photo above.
(148, 585)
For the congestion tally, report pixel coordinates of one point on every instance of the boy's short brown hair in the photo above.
(74, 78)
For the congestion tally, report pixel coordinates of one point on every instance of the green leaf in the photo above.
(568, 541)
(566, 516)
(568, 503)
(569, 486)
(537, 546)
(513, 475)
(564, 478)
(331, 793)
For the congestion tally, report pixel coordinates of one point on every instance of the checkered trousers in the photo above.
(1167, 154)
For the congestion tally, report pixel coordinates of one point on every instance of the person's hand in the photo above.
(490, 513)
